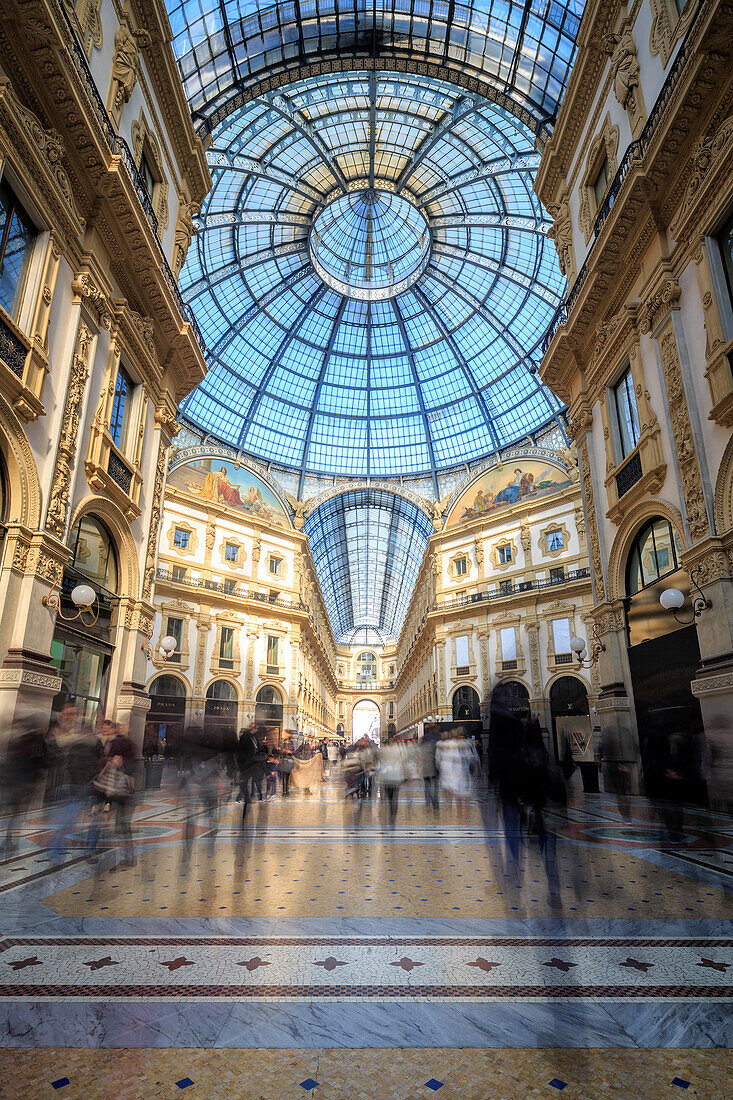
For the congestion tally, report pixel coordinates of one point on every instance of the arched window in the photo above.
(269, 706)
(167, 685)
(510, 696)
(222, 691)
(654, 555)
(94, 553)
(366, 668)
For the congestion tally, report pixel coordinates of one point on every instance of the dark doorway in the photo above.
(511, 696)
(662, 670)
(269, 713)
(466, 705)
(220, 722)
(165, 719)
(571, 728)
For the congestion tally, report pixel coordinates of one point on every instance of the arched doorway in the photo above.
(220, 721)
(511, 696)
(269, 711)
(365, 719)
(664, 657)
(166, 717)
(466, 705)
(83, 654)
(571, 728)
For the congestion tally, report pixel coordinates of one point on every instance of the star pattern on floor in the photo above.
(176, 964)
(99, 964)
(330, 963)
(635, 964)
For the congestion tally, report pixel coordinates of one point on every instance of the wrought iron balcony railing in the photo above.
(119, 147)
(634, 155)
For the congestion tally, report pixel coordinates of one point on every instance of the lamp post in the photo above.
(672, 600)
(166, 647)
(580, 649)
(82, 597)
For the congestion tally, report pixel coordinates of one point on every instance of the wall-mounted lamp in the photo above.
(82, 597)
(672, 600)
(166, 648)
(580, 649)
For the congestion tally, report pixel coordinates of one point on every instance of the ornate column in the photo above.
(128, 698)
(619, 735)
(537, 702)
(203, 625)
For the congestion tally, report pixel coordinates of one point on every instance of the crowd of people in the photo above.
(89, 775)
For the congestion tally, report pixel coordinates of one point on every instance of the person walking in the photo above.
(392, 774)
(429, 767)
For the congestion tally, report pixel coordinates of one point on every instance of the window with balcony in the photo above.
(508, 637)
(273, 653)
(462, 655)
(627, 416)
(725, 244)
(366, 668)
(226, 647)
(557, 575)
(561, 639)
(601, 181)
(181, 538)
(555, 539)
(146, 175)
(17, 236)
(174, 628)
(231, 552)
(505, 588)
(229, 585)
(119, 421)
(178, 574)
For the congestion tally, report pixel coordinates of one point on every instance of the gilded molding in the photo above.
(61, 480)
(684, 444)
(154, 524)
(595, 549)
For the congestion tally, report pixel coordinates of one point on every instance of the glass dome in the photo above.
(373, 278)
(370, 244)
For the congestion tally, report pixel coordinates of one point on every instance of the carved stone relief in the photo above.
(61, 480)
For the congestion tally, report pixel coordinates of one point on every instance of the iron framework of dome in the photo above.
(367, 546)
(325, 379)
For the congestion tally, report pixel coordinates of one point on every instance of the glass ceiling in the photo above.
(409, 352)
(367, 546)
(522, 48)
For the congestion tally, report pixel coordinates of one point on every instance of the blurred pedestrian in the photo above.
(429, 767)
(26, 761)
(79, 756)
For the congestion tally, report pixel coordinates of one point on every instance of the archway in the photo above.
(511, 696)
(466, 705)
(269, 712)
(365, 719)
(166, 717)
(220, 720)
(571, 728)
(81, 653)
(664, 657)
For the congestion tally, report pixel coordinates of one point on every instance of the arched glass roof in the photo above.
(367, 546)
(322, 374)
(520, 49)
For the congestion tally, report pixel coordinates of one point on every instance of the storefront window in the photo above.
(654, 555)
(83, 671)
(94, 553)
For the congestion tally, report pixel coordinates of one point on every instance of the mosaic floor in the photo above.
(321, 953)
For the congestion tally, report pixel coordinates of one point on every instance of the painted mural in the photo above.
(220, 482)
(502, 487)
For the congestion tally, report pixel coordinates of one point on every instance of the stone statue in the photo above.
(624, 65)
(562, 235)
(185, 230)
(437, 510)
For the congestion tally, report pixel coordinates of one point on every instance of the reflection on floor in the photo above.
(317, 929)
